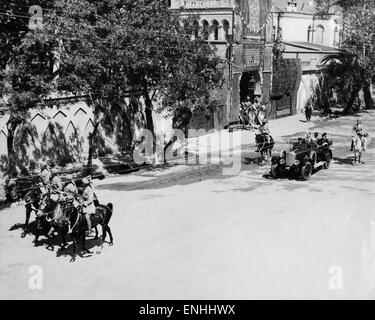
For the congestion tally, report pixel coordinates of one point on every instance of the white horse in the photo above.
(360, 146)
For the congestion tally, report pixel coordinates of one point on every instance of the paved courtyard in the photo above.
(192, 232)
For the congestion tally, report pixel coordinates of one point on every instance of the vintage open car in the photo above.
(302, 159)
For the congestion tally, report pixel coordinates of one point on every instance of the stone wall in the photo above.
(60, 132)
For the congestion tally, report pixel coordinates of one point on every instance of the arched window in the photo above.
(309, 34)
(336, 36)
(215, 29)
(196, 29)
(319, 34)
(205, 29)
(226, 29)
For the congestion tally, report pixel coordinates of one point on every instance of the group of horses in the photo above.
(62, 213)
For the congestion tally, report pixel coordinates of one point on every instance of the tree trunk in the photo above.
(128, 125)
(149, 119)
(368, 97)
(11, 153)
(92, 137)
(349, 107)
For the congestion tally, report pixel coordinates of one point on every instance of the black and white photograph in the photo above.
(187, 150)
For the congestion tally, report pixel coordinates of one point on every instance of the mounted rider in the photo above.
(359, 132)
(45, 174)
(45, 184)
(264, 136)
(263, 128)
(70, 186)
(89, 197)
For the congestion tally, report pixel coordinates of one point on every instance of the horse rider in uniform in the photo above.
(358, 130)
(264, 131)
(70, 186)
(56, 184)
(88, 200)
(45, 174)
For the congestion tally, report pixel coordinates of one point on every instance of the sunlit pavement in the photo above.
(193, 232)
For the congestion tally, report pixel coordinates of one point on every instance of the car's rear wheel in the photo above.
(306, 171)
(275, 171)
(328, 162)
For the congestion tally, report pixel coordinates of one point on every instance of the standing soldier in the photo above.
(308, 111)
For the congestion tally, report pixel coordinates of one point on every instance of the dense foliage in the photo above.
(355, 69)
(108, 50)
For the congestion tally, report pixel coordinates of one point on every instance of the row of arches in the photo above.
(317, 34)
(213, 31)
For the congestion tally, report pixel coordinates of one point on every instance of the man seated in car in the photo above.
(316, 137)
(324, 142)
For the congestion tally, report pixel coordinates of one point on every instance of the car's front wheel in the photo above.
(306, 171)
(275, 170)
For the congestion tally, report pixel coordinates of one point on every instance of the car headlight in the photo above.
(297, 162)
(282, 161)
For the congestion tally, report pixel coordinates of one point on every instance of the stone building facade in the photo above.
(60, 131)
(308, 38)
(241, 31)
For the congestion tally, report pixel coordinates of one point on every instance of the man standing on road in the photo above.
(308, 112)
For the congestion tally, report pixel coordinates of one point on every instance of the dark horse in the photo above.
(32, 201)
(77, 225)
(49, 217)
(26, 188)
(265, 144)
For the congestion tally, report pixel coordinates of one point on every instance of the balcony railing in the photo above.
(201, 4)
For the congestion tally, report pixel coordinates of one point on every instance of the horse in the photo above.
(265, 144)
(359, 147)
(32, 201)
(77, 225)
(49, 214)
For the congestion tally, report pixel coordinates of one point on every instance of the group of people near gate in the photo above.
(51, 186)
(252, 113)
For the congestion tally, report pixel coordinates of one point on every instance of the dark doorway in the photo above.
(248, 85)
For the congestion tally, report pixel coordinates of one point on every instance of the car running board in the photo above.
(319, 164)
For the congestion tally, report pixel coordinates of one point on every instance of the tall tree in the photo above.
(25, 83)
(109, 48)
(357, 38)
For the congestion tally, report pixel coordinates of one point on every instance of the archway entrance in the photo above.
(250, 86)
